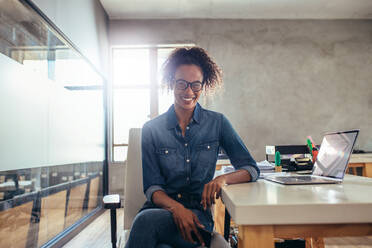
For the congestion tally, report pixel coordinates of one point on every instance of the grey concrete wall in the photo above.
(283, 80)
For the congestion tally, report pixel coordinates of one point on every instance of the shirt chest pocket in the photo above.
(207, 153)
(167, 156)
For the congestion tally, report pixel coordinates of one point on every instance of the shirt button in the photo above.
(208, 147)
(188, 160)
(178, 196)
(166, 151)
(188, 179)
(187, 127)
(185, 144)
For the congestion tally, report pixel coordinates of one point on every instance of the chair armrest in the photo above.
(111, 201)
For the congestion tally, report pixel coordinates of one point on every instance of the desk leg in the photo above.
(317, 242)
(314, 242)
(226, 228)
(256, 236)
(308, 243)
(368, 169)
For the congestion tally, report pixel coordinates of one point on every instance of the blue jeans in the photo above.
(155, 228)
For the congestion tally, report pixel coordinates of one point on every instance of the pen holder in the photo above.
(278, 168)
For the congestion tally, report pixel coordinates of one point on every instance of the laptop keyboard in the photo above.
(303, 179)
(295, 178)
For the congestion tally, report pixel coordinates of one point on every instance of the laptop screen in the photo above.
(334, 154)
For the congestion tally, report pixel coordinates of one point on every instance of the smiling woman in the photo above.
(186, 97)
(211, 73)
(179, 154)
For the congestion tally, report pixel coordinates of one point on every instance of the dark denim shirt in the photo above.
(174, 163)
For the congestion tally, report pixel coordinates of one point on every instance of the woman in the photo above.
(179, 154)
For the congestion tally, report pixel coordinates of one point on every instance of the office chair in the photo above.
(133, 194)
(133, 188)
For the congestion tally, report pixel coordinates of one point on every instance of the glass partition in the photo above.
(52, 129)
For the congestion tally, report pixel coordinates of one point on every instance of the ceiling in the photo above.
(238, 9)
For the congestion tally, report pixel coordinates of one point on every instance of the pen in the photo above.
(278, 167)
(312, 148)
(310, 145)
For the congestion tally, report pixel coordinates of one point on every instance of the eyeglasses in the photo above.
(183, 84)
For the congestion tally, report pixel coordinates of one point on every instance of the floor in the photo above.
(98, 235)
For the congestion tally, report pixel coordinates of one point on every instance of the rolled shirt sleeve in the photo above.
(152, 178)
(151, 190)
(236, 150)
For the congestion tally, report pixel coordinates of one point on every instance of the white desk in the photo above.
(264, 210)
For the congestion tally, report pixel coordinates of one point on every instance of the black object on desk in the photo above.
(290, 156)
(112, 202)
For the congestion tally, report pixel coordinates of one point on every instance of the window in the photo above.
(53, 144)
(137, 92)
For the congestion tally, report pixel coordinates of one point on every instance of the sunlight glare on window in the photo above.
(132, 91)
(163, 54)
(131, 67)
(75, 72)
(166, 97)
(131, 110)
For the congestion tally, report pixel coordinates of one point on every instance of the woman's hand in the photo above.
(187, 222)
(212, 191)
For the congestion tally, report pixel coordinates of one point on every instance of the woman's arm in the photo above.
(239, 176)
(244, 164)
(212, 190)
(153, 180)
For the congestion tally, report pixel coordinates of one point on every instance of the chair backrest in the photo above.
(134, 197)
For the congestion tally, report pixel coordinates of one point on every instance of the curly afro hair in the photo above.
(212, 74)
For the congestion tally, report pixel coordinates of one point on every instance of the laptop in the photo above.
(330, 164)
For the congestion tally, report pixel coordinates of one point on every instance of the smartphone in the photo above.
(206, 236)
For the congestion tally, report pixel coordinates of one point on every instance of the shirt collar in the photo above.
(172, 118)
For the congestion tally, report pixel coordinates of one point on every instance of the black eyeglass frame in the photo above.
(191, 84)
